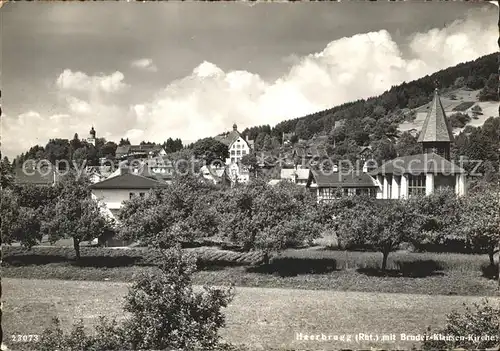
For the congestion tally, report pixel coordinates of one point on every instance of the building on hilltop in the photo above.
(139, 151)
(236, 144)
(424, 173)
(238, 147)
(91, 139)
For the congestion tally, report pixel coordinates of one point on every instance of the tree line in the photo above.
(254, 216)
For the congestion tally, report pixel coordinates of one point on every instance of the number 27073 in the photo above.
(25, 337)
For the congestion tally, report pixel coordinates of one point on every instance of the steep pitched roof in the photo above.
(229, 138)
(289, 173)
(436, 127)
(42, 176)
(128, 181)
(146, 148)
(351, 179)
(421, 163)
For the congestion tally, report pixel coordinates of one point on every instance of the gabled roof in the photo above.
(128, 181)
(42, 176)
(126, 149)
(229, 138)
(346, 179)
(421, 163)
(436, 127)
(289, 173)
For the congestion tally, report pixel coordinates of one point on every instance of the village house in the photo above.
(332, 185)
(236, 144)
(113, 191)
(39, 176)
(139, 151)
(424, 173)
(238, 147)
(365, 154)
(299, 176)
(217, 175)
(238, 173)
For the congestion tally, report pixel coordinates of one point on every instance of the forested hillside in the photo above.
(345, 128)
(382, 112)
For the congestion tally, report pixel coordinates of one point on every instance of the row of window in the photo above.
(132, 195)
(238, 152)
(237, 146)
(333, 193)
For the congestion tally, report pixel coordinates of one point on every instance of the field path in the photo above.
(262, 317)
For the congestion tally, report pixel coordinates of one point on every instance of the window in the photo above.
(389, 187)
(130, 195)
(243, 152)
(238, 153)
(233, 159)
(238, 146)
(142, 194)
(329, 193)
(416, 185)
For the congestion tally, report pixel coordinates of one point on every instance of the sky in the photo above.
(150, 71)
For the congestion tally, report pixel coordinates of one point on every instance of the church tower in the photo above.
(91, 138)
(436, 135)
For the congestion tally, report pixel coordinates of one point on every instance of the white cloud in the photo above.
(210, 100)
(79, 81)
(144, 64)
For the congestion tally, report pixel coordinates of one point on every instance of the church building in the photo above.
(424, 173)
(91, 138)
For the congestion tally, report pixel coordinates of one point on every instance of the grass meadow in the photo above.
(313, 268)
(308, 291)
(260, 318)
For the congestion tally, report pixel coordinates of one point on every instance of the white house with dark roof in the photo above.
(424, 173)
(112, 192)
(332, 185)
(298, 176)
(237, 145)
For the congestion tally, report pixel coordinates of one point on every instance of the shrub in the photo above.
(475, 328)
(459, 120)
(490, 271)
(165, 313)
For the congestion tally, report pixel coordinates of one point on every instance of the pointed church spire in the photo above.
(436, 135)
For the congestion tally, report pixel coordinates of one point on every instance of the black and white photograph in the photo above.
(243, 176)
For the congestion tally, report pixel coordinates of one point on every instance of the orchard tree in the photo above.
(75, 214)
(268, 218)
(79, 219)
(18, 223)
(480, 219)
(382, 225)
(180, 212)
(440, 215)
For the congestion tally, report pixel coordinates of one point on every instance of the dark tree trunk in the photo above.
(491, 254)
(384, 260)
(265, 258)
(76, 246)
